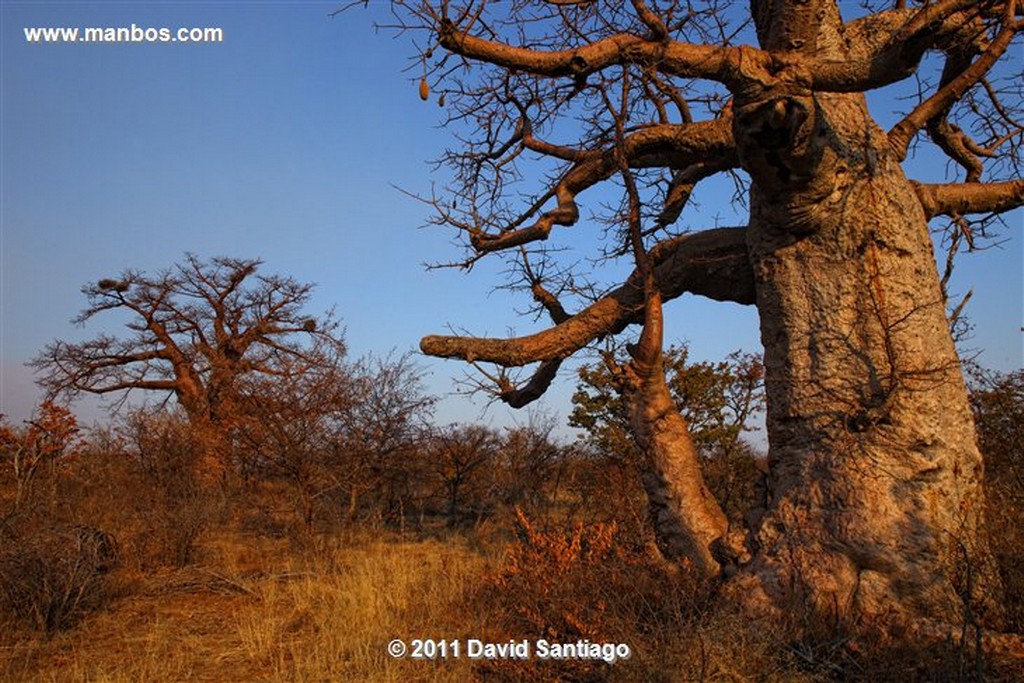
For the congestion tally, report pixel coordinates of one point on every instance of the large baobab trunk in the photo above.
(209, 468)
(875, 506)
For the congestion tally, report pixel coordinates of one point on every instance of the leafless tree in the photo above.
(196, 332)
(875, 501)
(531, 463)
(381, 435)
(457, 456)
(290, 426)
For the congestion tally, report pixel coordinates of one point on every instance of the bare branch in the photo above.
(658, 29)
(673, 145)
(541, 294)
(519, 397)
(952, 199)
(712, 263)
(679, 59)
(958, 77)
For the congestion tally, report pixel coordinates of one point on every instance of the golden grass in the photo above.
(334, 622)
(260, 608)
(325, 615)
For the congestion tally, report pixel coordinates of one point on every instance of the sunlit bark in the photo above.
(875, 507)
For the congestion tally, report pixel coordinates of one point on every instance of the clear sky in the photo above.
(286, 142)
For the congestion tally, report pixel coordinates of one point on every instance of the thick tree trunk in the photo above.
(876, 505)
(209, 468)
(875, 509)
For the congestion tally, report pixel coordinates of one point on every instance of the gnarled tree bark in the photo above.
(875, 510)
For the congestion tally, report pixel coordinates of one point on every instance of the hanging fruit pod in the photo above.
(424, 90)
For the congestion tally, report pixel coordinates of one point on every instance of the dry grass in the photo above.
(261, 601)
(333, 619)
(263, 613)
(259, 609)
(327, 615)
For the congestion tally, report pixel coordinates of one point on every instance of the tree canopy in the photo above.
(717, 400)
(569, 91)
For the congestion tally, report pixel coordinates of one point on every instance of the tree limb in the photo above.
(911, 33)
(957, 79)
(519, 397)
(713, 263)
(714, 63)
(674, 145)
(954, 199)
(147, 384)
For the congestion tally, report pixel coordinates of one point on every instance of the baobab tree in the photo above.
(202, 332)
(875, 506)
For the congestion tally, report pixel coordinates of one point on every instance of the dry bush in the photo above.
(174, 509)
(51, 578)
(137, 482)
(585, 582)
(580, 583)
(998, 402)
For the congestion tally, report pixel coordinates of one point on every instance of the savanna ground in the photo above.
(118, 567)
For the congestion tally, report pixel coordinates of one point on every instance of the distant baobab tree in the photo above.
(198, 332)
(875, 515)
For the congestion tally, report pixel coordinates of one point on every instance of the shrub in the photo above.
(50, 580)
(581, 583)
(998, 402)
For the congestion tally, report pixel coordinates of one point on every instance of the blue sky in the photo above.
(284, 142)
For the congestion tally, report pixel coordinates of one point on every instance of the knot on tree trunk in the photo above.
(778, 139)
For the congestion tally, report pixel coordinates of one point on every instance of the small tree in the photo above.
(530, 462)
(196, 331)
(457, 456)
(380, 435)
(290, 430)
(49, 435)
(716, 399)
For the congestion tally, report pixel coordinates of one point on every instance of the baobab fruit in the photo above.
(424, 90)
(440, 100)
